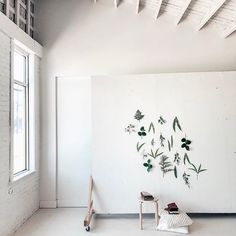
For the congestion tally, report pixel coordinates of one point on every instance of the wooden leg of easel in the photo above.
(141, 216)
(156, 213)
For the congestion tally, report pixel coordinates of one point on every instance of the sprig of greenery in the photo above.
(148, 165)
(176, 122)
(156, 154)
(151, 127)
(165, 165)
(139, 146)
(197, 170)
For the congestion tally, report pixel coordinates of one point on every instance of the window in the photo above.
(20, 116)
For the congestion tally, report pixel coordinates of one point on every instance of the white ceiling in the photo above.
(221, 13)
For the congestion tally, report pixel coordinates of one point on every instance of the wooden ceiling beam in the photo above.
(137, 6)
(228, 31)
(183, 10)
(158, 8)
(116, 3)
(210, 13)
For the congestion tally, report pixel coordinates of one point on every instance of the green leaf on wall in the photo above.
(165, 164)
(139, 146)
(175, 172)
(176, 123)
(151, 127)
(138, 115)
(156, 154)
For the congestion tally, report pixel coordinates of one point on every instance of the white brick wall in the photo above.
(18, 200)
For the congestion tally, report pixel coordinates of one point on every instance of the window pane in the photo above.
(19, 67)
(19, 148)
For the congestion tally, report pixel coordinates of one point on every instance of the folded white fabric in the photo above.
(182, 230)
(175, 220)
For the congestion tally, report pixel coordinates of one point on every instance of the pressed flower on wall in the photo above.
(138, 115)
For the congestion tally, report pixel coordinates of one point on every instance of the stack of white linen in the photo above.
(178, 223)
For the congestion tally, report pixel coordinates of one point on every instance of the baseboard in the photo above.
(73, 203)
(47, 204)
(152, 215)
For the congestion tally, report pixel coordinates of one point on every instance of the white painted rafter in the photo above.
(228, 31)
(7, 7)
(116, 3)
(137, 6)
(210, 13)
(158, 8)
(183, 10)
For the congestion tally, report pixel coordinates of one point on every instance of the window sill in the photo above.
(22, 176)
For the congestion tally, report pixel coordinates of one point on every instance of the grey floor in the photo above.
(63, 222)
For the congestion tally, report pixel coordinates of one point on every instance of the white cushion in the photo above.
(182, 230)
(173, 221)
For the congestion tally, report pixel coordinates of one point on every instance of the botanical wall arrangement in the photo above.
(168, 151)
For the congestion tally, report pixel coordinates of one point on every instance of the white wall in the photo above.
(73, 140)
(204, 104)
(20, 199)
(81, 38)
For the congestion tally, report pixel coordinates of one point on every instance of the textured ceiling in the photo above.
(224, 18)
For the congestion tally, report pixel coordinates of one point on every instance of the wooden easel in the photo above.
(90, 211)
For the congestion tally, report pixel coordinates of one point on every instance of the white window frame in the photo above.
(30, 113)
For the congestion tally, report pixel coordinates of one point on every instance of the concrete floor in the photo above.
(69, 222)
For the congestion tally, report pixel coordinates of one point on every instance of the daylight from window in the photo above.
(20, 144)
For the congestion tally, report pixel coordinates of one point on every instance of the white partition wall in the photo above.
(73, 140)
(204, 104)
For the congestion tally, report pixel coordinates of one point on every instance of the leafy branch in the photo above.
(156, 154)
(186, 158)
(139, 146)
(176, 123)
(197, 170)
(165, 165)
(151, 127)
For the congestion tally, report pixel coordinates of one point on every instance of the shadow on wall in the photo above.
(61, 16)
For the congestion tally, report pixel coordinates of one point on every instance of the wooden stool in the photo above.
(141, 201)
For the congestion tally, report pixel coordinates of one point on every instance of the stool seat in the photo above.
(154, 200)
(141, 202)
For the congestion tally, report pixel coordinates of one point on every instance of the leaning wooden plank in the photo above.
(88, 217)
(210, 13)
(228, 31)
(158, 8)
(90, 211)
(183, 10)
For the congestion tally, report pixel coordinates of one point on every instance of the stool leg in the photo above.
(141, 216)
(156, 213)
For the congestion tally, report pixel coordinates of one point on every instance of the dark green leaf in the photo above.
(188, 142)
(145, 164)
(151, 127)
(183, 140)
(142, 128)
(183, 145)
(169, 145)
(139, 146)
(175, 172)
